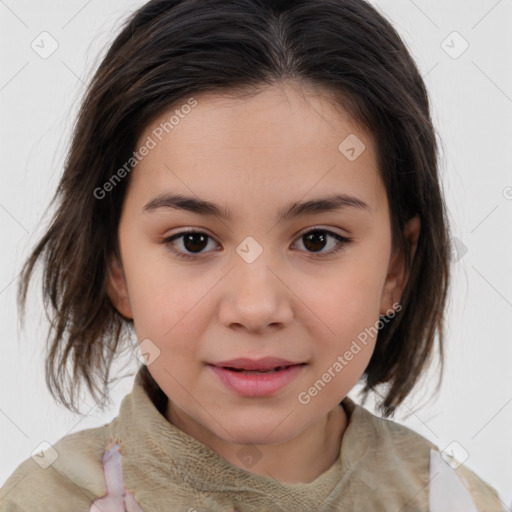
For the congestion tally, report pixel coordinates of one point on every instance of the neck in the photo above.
(301, 459)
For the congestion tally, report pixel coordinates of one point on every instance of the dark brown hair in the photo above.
(171, 50)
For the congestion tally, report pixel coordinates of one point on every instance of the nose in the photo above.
(255, 297)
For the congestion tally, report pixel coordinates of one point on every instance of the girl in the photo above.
(252, 191)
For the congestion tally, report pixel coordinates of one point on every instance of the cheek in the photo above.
(170, 313)
(166, 311)
(153, 283)
(346, 310)
(348, 297)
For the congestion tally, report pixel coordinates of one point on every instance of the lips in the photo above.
(254, 383)
(273, 370)
(262, 365)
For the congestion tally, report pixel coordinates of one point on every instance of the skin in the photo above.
(294, 301)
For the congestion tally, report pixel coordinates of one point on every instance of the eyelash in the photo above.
(342, 242)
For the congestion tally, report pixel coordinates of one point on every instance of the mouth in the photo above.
(257, 382)
(266, 364)
(260, 371)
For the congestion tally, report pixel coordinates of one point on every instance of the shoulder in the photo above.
(65, 476)
(455, 487)
(403, 460)
(452, 485)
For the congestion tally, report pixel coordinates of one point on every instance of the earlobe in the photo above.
(397, 276)
(116, 288)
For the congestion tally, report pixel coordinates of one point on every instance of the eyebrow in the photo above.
(329, 203)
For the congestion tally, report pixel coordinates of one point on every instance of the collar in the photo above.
(160, 461)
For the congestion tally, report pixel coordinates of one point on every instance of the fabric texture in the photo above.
(447, 492)
(140, 462)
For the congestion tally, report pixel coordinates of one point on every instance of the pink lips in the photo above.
(233, 374)
(264, 363)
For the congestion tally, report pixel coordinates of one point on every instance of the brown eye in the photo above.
(193, 244)
(317, 239)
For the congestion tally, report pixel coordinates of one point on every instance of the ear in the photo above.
(117, 289)
(397, 276)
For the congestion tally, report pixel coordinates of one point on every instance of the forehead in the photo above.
(283, 142)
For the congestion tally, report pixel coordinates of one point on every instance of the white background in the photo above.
(472, 109)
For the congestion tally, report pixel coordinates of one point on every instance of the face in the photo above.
(249, 283)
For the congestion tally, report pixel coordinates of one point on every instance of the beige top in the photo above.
(142, 462)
